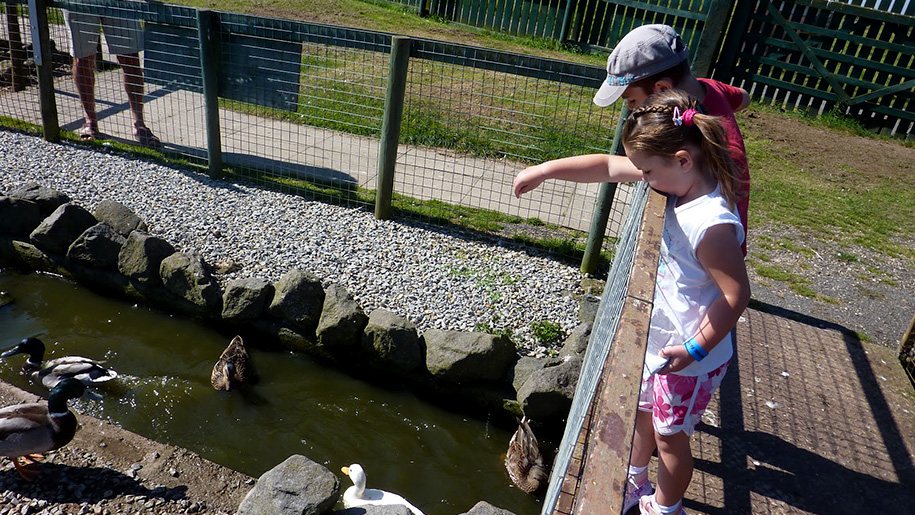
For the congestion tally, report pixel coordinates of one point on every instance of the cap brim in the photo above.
(608, 94)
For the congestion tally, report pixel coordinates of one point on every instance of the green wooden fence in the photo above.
(820, 56)
(816, 55)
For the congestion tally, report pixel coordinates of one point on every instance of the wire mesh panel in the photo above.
(19, 103)
(602, 335)
(306, 111)
(474, 118)
(107, 94)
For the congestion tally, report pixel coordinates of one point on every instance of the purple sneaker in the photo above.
(635, 492)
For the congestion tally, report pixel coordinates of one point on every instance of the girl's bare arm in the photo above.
(722, 258)
(586, 168)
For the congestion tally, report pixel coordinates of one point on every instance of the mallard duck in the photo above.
(523, 460)
(359, 495)
(27, 430)
(88, 371)
(232, 368)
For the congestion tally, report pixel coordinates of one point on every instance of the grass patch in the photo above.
(848, 213)
(795, 282)
(832, 120)
(548, 333)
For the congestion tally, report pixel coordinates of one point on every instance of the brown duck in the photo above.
(232, 369)
(523, 460)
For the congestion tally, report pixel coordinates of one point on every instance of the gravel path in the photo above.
(435, 279)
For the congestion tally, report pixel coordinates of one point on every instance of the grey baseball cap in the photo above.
(645, 51)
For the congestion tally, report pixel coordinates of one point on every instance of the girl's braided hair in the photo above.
(652, 129)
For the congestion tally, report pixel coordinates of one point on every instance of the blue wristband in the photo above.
(694, 350)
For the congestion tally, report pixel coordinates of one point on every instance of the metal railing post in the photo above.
(43, 57)
(602, 206)
(208, 39)
(390, 128)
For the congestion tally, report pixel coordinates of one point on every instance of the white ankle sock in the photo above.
(668, 509)
(638, 474)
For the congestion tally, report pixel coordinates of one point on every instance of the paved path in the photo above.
(808, 420)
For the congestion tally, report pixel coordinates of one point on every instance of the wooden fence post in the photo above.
(706, 52)
(566, 21)
(41, 53)
(208, 40)
(18, 79)
(390, 127)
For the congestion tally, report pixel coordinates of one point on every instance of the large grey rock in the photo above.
(61, 228)
(394, 340)
(246, 299)
(484, 508)
(296, 486)
(18, 217)
(47, 199)
(298, 298)
(577, 342)
(98, 246)
(140, 258)
(547, 394)
(119, 217)
(526, 366)
(342, 321)
(463, 357)
(188, 276)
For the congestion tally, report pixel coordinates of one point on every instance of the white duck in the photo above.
(88, 371)
(359, 495)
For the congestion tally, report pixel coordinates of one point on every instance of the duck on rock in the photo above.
(27, 430)
(87, 371)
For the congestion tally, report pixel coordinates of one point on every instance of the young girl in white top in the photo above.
(701, 290)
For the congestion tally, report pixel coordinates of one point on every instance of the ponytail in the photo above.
(671, 120)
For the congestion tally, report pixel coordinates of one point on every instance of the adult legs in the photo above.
(84, 77)
(133, 85)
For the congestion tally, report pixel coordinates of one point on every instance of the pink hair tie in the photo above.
(685, 119)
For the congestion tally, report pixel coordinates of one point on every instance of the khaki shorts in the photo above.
(123, 36)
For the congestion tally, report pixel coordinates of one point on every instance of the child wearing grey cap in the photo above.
(649, 59)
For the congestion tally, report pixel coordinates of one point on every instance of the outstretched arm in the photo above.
(722, 258)
(587, 168)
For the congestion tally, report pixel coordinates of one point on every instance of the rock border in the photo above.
(110, 250)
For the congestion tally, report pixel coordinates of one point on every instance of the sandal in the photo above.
(146, 137)
(88, 132)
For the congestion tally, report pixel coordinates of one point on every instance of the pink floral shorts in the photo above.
(677, 402)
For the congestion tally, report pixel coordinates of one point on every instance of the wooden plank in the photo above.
(603, 483)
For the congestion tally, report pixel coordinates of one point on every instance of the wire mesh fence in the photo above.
(301, 107)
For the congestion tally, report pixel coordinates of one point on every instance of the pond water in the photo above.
(442, 462)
